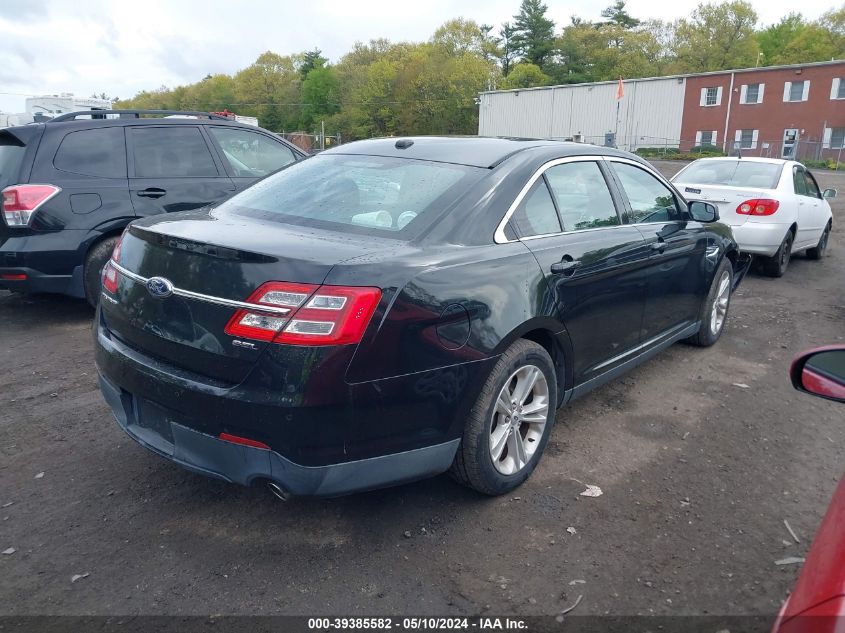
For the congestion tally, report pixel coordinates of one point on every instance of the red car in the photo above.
(817, 603)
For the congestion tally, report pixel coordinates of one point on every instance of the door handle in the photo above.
(658, 246)
(152, 192)
(566, 266)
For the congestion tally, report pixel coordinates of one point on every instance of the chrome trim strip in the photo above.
(499, 236)
(641, 346)
(187, 294)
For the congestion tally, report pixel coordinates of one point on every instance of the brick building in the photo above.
(781, 111)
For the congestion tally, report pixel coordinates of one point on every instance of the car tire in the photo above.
(94, 263)
(490, 427)
(776, 265)
(818, 251)
(714, 310)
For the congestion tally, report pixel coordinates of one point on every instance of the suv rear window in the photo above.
(732, 173)
(358, 194)
(11, 155)
(99, 152)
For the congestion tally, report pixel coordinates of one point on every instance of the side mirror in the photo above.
(820, 372)
(703, 211)
(829, 193)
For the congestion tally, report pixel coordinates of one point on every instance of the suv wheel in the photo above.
(714, 310)
(775, 266)
(510, 423)
(818, 251)
(94, 263)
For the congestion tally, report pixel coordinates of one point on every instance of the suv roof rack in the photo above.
(132, 114)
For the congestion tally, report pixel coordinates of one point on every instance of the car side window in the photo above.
(582, 196)
(171, 152)
(650, 199)
(251, 154)
(812, 188)
(798, 181)
(99, 152)
(536, 214)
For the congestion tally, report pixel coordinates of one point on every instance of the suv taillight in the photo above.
(758, 206)
(21, 201)
(318, 315)
(110, 273)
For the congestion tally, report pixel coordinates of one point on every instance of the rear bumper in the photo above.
(23, 279)
(207, 455)
(52, 261)
(759, 238)
(367, 435)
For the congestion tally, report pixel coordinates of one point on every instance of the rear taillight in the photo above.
(317, 315)
(110, 273)
(758, 206)
(21, 201)
(110, 276)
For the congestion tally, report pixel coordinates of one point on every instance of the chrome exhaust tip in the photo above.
(278, 491)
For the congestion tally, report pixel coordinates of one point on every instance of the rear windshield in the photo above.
(733, 173)
(370, 195)
(11, 155)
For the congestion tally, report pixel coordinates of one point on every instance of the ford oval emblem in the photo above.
(159, 287)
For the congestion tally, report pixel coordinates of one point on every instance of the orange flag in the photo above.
(620, 90)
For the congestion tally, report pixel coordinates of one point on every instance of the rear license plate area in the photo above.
(152, 425)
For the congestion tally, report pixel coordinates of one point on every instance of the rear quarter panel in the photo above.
(443, 307)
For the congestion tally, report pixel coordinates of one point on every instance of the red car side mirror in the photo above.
(820, 372)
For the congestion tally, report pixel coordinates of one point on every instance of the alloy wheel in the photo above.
(720, 303)
(519, 419)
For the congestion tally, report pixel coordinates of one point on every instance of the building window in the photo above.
(837, 138)
(796, 90)
(711, 96)
(746, 139)
(705, 137)
(752, 93)
(837, 90)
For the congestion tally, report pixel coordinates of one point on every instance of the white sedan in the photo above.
(774, 206)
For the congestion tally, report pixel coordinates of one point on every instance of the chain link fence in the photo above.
(811, 151)
(312, 143)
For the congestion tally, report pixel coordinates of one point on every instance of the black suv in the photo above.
(71, 185)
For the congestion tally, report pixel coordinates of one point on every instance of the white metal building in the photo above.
(650, 114)
(51, 105)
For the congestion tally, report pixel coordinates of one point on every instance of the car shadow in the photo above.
(16, 308)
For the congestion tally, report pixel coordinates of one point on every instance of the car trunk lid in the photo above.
(210, 275)
(726, 198)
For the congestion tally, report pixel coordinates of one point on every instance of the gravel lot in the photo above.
(698, 475)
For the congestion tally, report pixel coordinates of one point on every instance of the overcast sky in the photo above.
(87, 46)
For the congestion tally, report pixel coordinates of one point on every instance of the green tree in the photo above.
(507, 48)
(618, 15)
(717, 37)
(309, 60)
(533, 32)
(821, 40)
(269, 89)
(773, 39)
(525, 75)
(320, 94)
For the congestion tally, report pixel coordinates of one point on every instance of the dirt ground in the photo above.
(701, 454)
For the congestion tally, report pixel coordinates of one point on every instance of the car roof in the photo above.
(474, 151)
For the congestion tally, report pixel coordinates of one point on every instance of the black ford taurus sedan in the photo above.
(392, 309)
